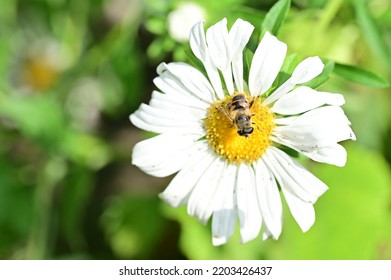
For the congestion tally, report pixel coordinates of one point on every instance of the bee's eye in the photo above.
(243, 118)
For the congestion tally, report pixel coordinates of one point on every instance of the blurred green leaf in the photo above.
(352, 217)
(156, 25)
(86, 149)
(360, 76)
(275, 17)
(133, 225)
(286, 71)
(290, 63)
(371, 32)
(248, 58)
(315, 3)
(78, 189)
(39, 117)
(157, 49)
(254, 16)
(194, 61)
(16, 208)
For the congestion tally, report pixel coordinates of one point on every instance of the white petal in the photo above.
(285, 120)
(237, 68)
(192, 80)
(170, 112)
(162, 121)
(223, 226)
(266, 233)
(266, 64)
(268, 199)
(303, 99)
(321, 127)
(220, 52)
(248, 210)
(164, 117)
(206, 192)
(198, 42)
(176, 90)
(179, 189)
(302, 211)
(224, 214)
(178, 104)
(294, 177)
(227, 75)
(218, 44)
(164, 154)
(200, 50)
(314, 135)
(298, 186)
(214, 78)
(334, 154)
(239, 35)
(308, 69)
(325, 114)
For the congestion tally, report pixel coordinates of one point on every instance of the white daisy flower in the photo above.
(224, 138)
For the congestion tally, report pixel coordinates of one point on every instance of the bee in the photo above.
(238, 112)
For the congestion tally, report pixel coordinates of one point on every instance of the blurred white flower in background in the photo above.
(181, 20)
(39, 64)
(84, 104)
(122, 11)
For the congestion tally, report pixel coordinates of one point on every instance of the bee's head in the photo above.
(246, 131)
(242, 119)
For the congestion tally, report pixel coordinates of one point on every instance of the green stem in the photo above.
(38, 246)
(328, 14)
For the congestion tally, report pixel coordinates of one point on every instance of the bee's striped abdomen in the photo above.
(239, 102)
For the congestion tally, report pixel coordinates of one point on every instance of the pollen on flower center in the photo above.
(223, 136)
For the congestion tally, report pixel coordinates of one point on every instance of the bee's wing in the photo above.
(224, 112)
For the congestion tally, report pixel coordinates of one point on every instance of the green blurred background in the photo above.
(72, 72)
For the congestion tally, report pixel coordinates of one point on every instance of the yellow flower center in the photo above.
(222, 132)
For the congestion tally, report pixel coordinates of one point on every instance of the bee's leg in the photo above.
(257, 126)
(252, 101)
